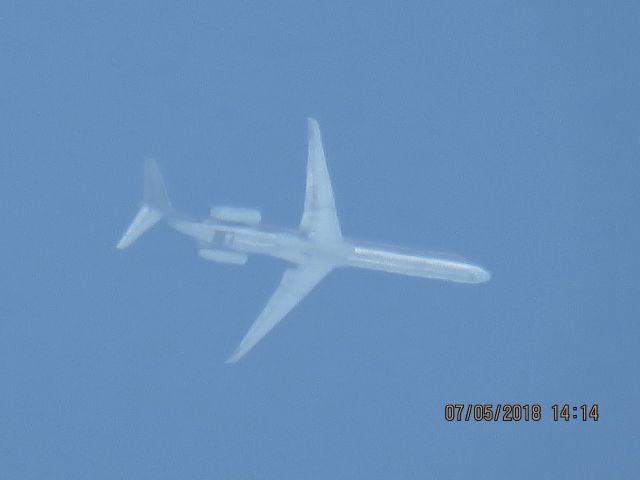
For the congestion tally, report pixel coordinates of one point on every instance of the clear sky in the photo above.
(506, 132)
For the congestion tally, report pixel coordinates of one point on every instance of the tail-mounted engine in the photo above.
(223, 256)
(246, 216)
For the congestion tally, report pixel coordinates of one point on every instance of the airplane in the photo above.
(231, 234)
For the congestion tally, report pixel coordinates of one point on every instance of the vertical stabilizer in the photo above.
(155, 206)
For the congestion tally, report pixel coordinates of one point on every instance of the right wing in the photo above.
(296, 283)
(319, 219)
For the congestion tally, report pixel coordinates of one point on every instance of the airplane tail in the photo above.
(156, 205)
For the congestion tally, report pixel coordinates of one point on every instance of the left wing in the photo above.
(296, 283)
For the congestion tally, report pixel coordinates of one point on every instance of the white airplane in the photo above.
(317, 247)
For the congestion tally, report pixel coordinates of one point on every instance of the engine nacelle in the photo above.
(247, 216)
(223, 256)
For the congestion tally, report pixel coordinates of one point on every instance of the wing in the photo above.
(319, 219)
(296, 283)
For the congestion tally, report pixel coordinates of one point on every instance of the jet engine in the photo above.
(247, 216)
(223, 256)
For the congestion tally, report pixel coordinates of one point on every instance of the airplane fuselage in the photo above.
(296, 248)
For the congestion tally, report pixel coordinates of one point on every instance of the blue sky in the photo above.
(506, 132)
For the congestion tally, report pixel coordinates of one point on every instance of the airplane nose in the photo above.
(482, 275)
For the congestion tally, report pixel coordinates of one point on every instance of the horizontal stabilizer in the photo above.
(146, 218)
(156, 205)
